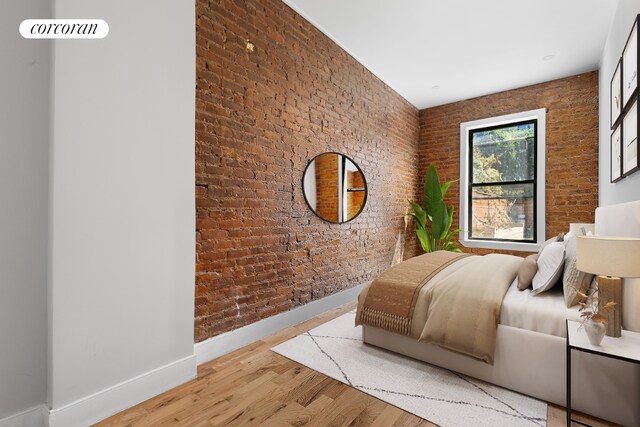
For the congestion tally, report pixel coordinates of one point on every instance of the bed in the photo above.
(530, 345)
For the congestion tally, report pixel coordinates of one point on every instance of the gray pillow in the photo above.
(527, 270)
(558, 238)
(573, 280)
(550, 267)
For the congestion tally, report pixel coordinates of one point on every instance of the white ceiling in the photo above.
(434, 52)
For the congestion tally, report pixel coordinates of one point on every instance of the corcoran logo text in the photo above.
(64, 29)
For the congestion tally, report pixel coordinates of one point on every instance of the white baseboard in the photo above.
(233, 340)
(98, 406)
(110, 401)
(32, 417)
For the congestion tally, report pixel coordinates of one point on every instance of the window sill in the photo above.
(506, 246)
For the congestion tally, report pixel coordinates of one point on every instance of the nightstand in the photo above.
(625, 348)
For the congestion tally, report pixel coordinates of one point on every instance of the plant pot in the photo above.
(595, 331)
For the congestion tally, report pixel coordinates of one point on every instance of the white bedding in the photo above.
(545, 312)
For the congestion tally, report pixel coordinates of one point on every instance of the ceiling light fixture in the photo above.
(548, 57)
(436, 87)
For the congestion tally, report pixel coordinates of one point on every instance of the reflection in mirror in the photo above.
(334, 187)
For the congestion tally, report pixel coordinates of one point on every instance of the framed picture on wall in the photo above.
(630, 139)
(616, 95)
(630, 66)
(616, 154)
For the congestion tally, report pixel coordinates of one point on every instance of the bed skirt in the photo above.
(534, 364)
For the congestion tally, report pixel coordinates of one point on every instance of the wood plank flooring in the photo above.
(254, 386)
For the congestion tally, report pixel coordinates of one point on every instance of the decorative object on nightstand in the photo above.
(595, 331)
(610, 258)
(595, 321)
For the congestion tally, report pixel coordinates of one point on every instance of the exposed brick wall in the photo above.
(260, 117)
(327, 186)
(571, 143)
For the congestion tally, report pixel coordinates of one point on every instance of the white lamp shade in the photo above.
(609, 256)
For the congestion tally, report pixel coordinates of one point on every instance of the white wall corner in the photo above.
(119, 397)
(233, 340)
(38, 416)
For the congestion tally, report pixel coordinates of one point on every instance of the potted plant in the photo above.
(434, 218)
(595, 324)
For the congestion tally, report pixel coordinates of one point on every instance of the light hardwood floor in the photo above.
(254, 386)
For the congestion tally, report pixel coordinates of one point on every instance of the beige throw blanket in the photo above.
(463, 307)
(392, 296)
(456, 307)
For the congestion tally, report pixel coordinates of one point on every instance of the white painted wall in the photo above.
(629, 188)
(122, 224)
(24, 134)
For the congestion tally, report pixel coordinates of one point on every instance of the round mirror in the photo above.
(334, 187)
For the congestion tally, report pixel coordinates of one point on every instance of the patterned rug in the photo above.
(435, 394)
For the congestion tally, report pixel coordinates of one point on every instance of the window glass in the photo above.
(502, 182)
(503, 212)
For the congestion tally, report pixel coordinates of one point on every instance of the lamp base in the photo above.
(610, 289)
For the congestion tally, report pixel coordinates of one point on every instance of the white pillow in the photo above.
(550, 267)
(567, 238)
(573, 280)
(558, 238)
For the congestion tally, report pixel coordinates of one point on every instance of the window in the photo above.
(502, 182)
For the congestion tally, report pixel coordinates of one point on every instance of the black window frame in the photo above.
(534, 181)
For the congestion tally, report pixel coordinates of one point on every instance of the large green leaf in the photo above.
(419, 214)
(434, 220)
(445, 186)
(447, 239)
(449, 221)
(439, 222)
(423, 237)
(449, 236)
(421, 226)
(432, 193)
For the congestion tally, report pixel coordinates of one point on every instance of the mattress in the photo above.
(545, 313)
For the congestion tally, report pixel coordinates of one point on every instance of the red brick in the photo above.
(260, 117)
(571, 143)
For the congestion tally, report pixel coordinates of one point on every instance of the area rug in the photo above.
(435, 394)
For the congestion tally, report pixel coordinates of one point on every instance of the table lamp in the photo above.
(610, 258)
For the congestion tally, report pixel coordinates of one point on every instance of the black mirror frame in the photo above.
(364, 180)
